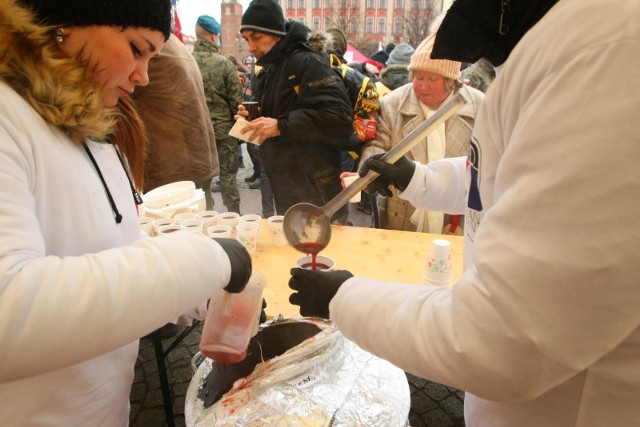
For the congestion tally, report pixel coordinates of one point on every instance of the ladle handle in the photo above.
(407, 143)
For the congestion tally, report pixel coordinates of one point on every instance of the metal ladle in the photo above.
(308, 227)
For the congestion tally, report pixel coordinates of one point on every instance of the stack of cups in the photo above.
(437, 270)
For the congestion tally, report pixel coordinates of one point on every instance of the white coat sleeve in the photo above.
(438, 186)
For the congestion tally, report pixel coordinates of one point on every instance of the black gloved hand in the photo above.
(263, 314)
(240, 264)
(315, 290)
(398, 174)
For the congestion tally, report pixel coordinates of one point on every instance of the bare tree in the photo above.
(417, 20)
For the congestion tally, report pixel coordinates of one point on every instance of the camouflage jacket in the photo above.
(222, 87)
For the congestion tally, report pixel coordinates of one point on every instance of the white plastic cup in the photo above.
(248, 218)
(219, 230)
(323, 263)
(184, 216)
(171, 228)
(248, 235)
(229, 218)
(277, 232)
(161, 222)
(209, 217)
(146, 224)
(348, 180)
(231, 321)
(196, 225)
(437, 269)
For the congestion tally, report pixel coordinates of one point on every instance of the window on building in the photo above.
(301, 20)
(382, 27)
(344, 4)
(327, 4)
(383, 4)
(301, 5)
(397, 25)
(415, 4)
(290, 4)
(353, 25)
(327, 23)
(316, 24)
(370, 25)
(316, 4)
(399, 4)
(371, 4)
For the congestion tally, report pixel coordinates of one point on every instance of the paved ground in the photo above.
(432, 405)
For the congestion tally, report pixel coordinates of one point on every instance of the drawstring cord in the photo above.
(136, 197)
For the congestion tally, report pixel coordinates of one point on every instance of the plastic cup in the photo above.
(161, 222)
(219, 230)
(323, 263)
(251, 218)
(348, 180)
(209, 217)
(184, 216)
(277, 232)
(196, 225)
(232, 319)
(437, 269)
(248, 235)
(229, 218)
(146, 224)
(166, 229)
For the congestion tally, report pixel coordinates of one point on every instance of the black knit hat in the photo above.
(153, 14)
(264, 16)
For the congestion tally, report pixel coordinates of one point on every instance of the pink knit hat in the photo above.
(421, 60)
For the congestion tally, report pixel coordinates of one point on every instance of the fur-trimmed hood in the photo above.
(59, 89)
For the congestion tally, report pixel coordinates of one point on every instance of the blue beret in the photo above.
(209, 23)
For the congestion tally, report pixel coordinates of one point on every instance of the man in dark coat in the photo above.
(305, 110)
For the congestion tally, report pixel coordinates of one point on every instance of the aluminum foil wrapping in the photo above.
(326, 380)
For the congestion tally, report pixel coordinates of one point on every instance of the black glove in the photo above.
(263, 314)
(398, 174)
(240, 264)
(315, 290)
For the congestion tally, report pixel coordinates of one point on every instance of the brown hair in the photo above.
(130, 136)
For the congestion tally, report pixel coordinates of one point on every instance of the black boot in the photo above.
(252, 177)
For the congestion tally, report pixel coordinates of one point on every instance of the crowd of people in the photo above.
(102, 103)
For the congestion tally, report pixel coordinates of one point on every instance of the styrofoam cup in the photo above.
(209, 217)
(219, 230)
(277, 232)
(321, 262)
(247, 234)
(437, 269)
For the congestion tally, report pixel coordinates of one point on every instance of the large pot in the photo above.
(298, 372)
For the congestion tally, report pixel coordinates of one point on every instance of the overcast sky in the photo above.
(189, 10)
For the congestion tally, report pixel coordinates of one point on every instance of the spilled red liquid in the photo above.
(312, 249)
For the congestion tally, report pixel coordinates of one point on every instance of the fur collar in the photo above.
(58, 89)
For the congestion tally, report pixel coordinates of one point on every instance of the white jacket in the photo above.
(77, 290)
(542, 329)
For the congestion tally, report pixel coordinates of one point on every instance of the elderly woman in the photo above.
(78, 286)
(433, 82)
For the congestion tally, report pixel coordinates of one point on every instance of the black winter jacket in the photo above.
(303, 163)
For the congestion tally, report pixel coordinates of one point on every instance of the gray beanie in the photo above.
(401, 54)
